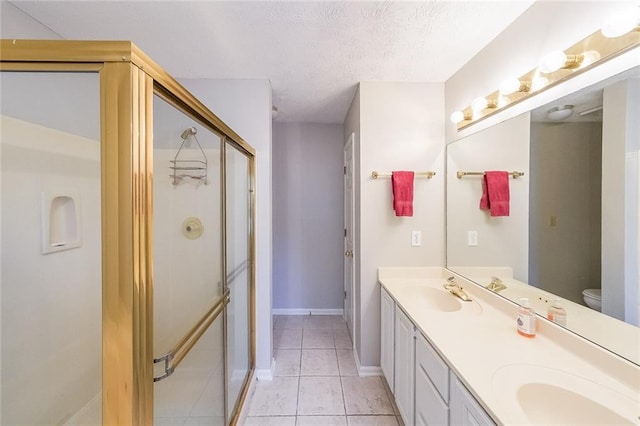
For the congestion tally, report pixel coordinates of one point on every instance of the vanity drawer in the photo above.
(431, 409)
(428, 360)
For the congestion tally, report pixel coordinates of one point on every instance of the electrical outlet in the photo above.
(472, 238)
(416, 238)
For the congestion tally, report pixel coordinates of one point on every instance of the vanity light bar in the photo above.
(555, 68)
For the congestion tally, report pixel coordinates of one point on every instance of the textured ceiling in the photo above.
(314, 53)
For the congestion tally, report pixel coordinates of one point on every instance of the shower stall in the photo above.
(126, 243)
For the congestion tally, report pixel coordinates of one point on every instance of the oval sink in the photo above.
(549, 396)
(439, 300)
(543, 401)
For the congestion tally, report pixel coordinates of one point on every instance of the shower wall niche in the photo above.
(111, 310)
(61, 228)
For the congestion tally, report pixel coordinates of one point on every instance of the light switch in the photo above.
(416, 238)
(472, 238)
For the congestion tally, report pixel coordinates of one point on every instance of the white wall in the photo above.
(401, 128)
(245, 105)
(501, 147)
(564, 259)
(632, 206)
(51, 306)
(620, 146)
(307, 216)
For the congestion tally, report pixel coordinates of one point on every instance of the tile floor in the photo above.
(316, 381)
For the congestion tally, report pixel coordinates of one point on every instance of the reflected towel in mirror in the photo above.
(495, 193)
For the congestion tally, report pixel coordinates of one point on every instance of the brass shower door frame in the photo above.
(128, 81)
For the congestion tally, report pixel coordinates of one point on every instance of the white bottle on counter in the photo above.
(526, 319)
(557, 313)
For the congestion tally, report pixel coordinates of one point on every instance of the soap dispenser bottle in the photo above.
(557, 313)
(526, 319)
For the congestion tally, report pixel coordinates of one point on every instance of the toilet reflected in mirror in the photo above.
(593, 298)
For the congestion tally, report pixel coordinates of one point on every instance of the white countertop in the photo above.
(609, 332)
(480, 344)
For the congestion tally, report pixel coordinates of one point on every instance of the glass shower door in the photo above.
(238, 256)
(51, 248)
(189, 297)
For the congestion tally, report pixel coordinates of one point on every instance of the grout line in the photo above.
(297, 399)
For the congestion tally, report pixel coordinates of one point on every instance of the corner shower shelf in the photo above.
(192, 168)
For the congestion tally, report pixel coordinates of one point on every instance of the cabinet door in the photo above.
(387, 315)
(464, 409)
(404, 380)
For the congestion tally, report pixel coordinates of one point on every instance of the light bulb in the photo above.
(456, 117)
(479, 104)
(621, 23)
(538, 83)
(509, 86)
(553, 62)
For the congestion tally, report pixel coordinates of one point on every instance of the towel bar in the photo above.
(460, 175)
(376, 175)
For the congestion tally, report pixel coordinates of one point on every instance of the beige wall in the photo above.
(565, 183)
(401, 128)
(307, 216)
(501, 147)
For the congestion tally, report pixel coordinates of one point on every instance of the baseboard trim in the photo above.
(307, 311)
(266, 374)
(365, 370)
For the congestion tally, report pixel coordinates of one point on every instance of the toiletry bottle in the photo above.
(526, 319)
(556, 313)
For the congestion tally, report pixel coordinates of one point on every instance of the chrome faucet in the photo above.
(455, 289)
(496, 285)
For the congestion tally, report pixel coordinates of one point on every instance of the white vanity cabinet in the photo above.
(432, 386)
(404, 355)
(387, 343)
(426, 391)
(464, 409)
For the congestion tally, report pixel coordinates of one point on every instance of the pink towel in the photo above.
(495, 193)
(484, 200)
(402, 185)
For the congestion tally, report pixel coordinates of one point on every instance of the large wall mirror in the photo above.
(572, 231)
